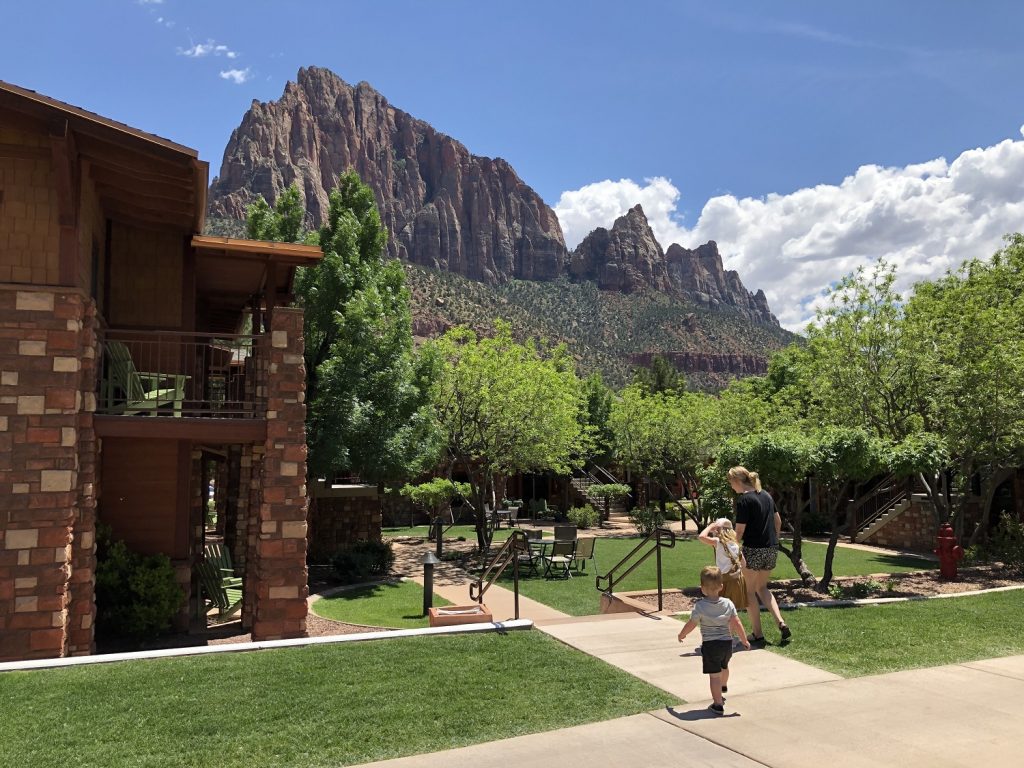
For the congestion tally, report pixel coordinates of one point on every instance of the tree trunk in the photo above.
(837, 505)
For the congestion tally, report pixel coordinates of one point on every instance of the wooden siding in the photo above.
(141, 497)
(92, 235)
(29, 232)
(145, 278)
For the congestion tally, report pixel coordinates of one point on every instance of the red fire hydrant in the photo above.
(948, 550)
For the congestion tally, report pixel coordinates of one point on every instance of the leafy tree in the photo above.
(367, 393)
(505, 407)
(598, 412)
(435, 496)
(661, 376)
(971, 330)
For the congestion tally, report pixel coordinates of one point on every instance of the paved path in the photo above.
(647, 647)
(957, 716)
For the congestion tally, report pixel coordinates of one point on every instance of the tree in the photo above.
(435, 496)
(971, 330)
(367, 393)
(598, 412)
(505, 407)
(661, 376)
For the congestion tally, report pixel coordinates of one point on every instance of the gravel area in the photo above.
(915, 584)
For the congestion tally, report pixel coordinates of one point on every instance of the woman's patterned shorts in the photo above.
(760, 558)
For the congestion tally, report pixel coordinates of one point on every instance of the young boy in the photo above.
(717, 618)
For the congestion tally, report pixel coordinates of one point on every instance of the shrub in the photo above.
(583, 517)
(647, 519)
(1007, 544)
(136, 595)
(363, 561)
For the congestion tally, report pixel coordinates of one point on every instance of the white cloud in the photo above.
(237, 76)
(925, 218)
(151, 2)
(209, 48)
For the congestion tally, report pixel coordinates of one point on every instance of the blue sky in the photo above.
(719, 101)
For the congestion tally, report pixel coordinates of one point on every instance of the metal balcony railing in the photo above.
(175, 374)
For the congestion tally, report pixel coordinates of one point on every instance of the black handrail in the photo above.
(661, 538)
(509, 553)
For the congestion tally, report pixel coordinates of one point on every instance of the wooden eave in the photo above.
(141, 179)
(286, 254)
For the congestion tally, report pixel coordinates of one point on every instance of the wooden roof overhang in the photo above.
(141, 179)
(232, 274)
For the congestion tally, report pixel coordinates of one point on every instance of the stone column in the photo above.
(279, 567)
(41, 349)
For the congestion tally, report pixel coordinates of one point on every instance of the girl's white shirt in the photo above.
(722, 559)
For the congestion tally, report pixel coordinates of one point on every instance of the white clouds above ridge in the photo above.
(925, 218)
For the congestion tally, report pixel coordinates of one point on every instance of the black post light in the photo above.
(429, 560)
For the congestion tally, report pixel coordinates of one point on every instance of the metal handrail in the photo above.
(886, 494)
(658, 537)
(509, 553)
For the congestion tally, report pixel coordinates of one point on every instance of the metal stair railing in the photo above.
(887, 494)
(509, 553)
(660, 538)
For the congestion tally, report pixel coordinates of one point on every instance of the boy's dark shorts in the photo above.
(715, 655)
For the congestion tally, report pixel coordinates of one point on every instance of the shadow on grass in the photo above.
(368, 590)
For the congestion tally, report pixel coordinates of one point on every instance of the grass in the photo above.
(468, 532)
(397, 605)
(870, 640)
(310, 707)
(579, 597)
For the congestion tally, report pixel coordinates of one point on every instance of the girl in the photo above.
(728, 558)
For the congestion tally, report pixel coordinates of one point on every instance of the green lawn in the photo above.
(869, 640)
(468, 532)
(315, 706)
(398, 605)
(579, 596)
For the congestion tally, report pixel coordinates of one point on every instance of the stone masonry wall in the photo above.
(43, 342)
(914, 529)
(280, 573)
(339, 520)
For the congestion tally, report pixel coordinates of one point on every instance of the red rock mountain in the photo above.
(446, 208)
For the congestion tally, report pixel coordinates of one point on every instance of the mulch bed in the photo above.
(914, 584)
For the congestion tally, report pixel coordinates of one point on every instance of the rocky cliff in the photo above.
(444, 207)
(700, 277)
(625, 258)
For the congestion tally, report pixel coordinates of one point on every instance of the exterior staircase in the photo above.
(889, 499)
(583, 480)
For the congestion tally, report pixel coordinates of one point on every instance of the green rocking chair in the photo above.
(127, 390)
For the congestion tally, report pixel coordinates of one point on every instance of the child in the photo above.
(728, 558)
(717, 618)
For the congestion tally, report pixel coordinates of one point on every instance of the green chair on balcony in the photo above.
(127, 390)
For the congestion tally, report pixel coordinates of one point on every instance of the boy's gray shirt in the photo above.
(713, 617)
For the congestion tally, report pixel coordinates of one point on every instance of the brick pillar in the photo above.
(41, 353)
(248, 515)
(82, 608)
(279, 567)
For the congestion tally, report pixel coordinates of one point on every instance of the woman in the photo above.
(757, 526)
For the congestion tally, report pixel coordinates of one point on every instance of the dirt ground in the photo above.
(914, 584)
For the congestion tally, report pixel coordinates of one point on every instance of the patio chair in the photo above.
(226, 599)
(216, 553)
(127, 390)
(528, 558)
(584, 551)
(560, 558)
(567, 532)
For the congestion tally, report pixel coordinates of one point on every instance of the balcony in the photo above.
(168, 376)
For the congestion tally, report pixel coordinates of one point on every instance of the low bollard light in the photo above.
(429, 560)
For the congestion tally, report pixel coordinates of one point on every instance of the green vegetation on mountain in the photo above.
(602, 329)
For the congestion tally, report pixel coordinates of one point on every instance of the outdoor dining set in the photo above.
(558, 556)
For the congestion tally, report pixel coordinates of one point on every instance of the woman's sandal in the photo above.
(786, 632)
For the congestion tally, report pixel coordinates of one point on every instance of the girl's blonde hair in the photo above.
(745, 476)
(726, 533)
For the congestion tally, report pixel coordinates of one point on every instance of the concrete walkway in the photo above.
(648, 648)
(962, 715)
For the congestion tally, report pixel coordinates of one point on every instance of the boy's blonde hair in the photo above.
(710, 576)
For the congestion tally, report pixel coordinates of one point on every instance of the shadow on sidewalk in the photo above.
(703, 713)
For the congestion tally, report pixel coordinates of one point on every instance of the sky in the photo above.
(806, 138)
